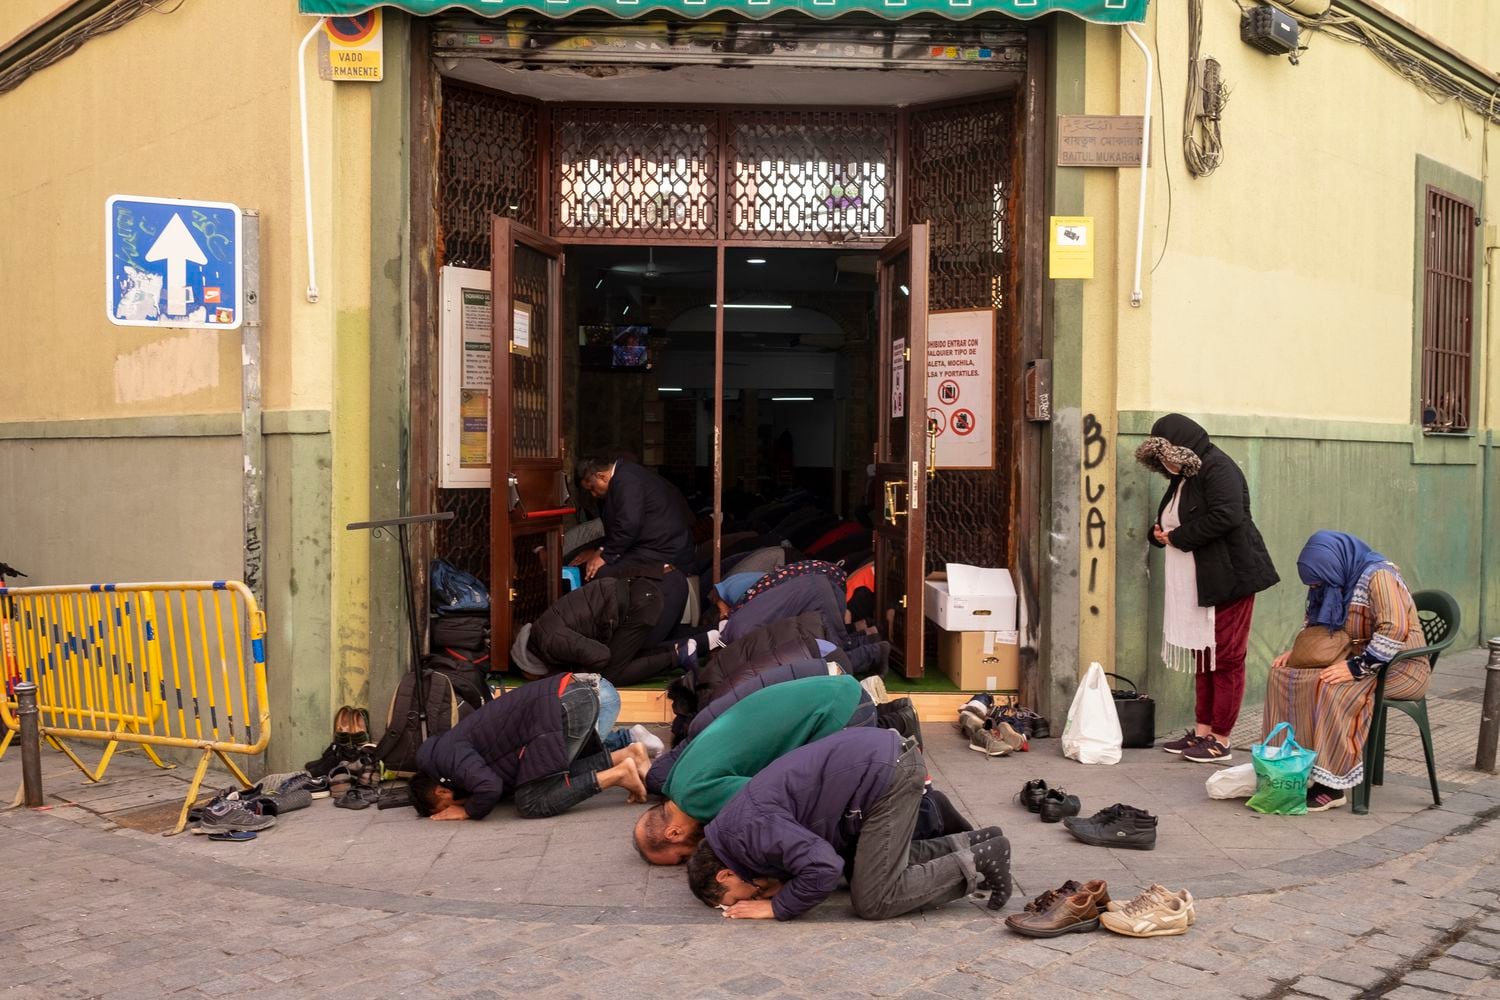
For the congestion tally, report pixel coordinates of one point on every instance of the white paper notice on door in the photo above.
(476, 339)
(898, 377)
(961, 387)
(520, 329)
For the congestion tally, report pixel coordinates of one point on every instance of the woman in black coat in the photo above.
(1216, 562)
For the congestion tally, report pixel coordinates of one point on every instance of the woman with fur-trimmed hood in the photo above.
(1216, 562)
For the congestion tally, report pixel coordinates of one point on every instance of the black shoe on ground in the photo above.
(1058, 805)
(1033, 793)
(332, 758)
(1186, 741)
(1117, 826)
(1208, 751)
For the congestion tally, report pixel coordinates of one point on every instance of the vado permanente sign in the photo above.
(352, 48)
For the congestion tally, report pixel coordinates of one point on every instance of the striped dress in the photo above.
(1334, 719)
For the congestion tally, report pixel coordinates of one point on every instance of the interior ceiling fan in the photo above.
(649, 269)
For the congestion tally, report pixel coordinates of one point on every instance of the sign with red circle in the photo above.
(938, 419)
(963, 422)
(353, 29)
(947, 393)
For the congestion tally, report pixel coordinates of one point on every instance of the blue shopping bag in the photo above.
(1281, 774)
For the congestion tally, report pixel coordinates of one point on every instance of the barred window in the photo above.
(1447, 312)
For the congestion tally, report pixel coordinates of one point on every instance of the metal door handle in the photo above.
(932, 436)
(892, 511)
(515, 493)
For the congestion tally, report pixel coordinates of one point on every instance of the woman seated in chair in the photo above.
(1359, 616)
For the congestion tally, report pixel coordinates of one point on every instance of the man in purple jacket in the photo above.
(846, 802)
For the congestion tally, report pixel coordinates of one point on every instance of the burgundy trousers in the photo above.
(1222, 689)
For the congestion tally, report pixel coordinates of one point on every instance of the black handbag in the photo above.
(1137, 714)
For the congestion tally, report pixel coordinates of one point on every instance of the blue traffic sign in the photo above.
(173, 263)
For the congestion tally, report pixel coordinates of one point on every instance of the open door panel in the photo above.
(901, 447)
(529, 495)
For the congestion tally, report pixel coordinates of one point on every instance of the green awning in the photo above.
(1100, 11)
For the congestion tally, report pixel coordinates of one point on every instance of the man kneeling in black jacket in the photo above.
(539, 741)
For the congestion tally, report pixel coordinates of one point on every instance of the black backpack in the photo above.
(450, 691)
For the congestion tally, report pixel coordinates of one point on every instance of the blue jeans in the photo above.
(557, 793)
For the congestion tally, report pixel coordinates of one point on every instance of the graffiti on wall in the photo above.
(1095, 526)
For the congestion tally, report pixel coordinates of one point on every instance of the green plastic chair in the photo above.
(1440, 616)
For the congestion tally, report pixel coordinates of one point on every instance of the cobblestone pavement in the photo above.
(1403, 903)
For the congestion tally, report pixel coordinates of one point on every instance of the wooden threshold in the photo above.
(652, 708)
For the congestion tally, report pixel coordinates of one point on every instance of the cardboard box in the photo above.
(981, 661)
(971, 599)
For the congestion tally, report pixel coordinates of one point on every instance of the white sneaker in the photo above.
(646, 738)
(1157, 912)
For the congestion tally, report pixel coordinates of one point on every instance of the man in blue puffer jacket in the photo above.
(846, 803)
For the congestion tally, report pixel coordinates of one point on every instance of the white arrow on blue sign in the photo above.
(173, 263)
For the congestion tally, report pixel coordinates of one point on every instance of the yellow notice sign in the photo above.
(351, 48)
(1072, 247)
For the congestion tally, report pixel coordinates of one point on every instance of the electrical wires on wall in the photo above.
(65, 33)
(1202, 145)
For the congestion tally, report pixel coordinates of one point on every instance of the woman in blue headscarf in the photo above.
(1359, 616)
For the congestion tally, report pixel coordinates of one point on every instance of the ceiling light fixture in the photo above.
(751, 305)
(791, 399)
(755, 260)
(905, 290)
(626, 312)
(599, 284)
(668, 388)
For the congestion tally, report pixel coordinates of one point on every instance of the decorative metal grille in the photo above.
(487, 165)
(960, 183)
(961, 180)
(530, 406)
(1447, 312)
(530, 580)
(816, 176)
(621, 171)
(465, 541)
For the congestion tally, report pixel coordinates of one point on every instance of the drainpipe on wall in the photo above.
(1140, 220)
(312, 263)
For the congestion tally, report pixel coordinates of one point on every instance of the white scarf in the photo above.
(1187, 628)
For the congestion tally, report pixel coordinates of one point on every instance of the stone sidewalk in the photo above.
(1402, 902)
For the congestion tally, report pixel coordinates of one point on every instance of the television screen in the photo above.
(631, 347)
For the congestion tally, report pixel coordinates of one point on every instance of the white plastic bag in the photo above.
(1236, 782)
(1092, 735)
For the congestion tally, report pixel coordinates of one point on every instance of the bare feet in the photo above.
(641, 756)
(632, 780)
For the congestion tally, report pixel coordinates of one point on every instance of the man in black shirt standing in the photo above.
(646, 519)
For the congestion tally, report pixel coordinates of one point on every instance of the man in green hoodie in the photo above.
(735, 747)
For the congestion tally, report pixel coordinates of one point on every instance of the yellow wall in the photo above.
(199, 103)
(1286, 285)
(157, 109)
(1285, 288)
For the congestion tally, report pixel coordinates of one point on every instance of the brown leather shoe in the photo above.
(1046, 899)
(1066, 915)
(1098, 889)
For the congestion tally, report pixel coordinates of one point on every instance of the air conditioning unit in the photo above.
(1270, 30)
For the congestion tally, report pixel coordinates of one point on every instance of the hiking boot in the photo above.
(985, 742)
(1059, 805)
(1033, 793)
(1208, 751)
(1066, 914)
(1186, 741)
(1152, 914)
(231, 815)
(1160, 891)
(1117, 826)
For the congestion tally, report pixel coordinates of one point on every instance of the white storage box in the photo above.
(972, 599)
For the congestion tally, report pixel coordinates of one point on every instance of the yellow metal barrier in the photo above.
(155, 664)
